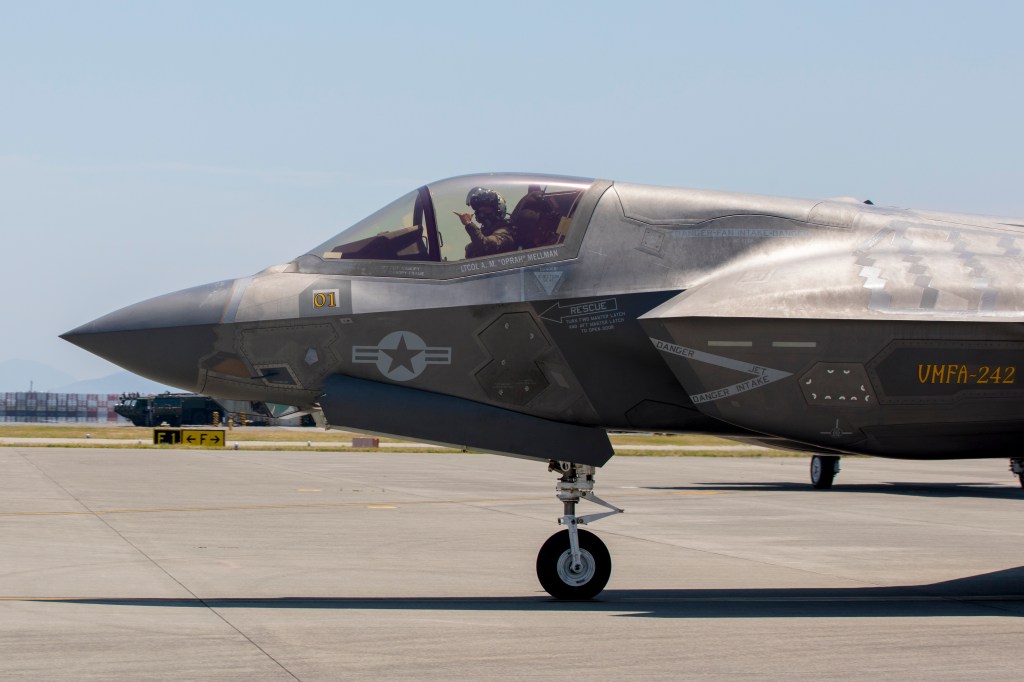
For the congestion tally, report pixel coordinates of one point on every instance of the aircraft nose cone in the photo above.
(163, 338)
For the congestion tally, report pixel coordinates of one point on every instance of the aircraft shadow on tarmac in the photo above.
(976, 490)
(1000, 593)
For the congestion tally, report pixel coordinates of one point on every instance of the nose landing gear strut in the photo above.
(574, 563)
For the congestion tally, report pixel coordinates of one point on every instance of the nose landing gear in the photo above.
(574, 563)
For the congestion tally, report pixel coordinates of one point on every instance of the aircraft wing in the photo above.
(885, 351)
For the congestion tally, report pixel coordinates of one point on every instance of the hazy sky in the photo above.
(150, 146)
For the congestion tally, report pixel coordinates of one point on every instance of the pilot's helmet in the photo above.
(483, 198)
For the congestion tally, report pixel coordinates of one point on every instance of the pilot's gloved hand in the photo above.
(466, 218)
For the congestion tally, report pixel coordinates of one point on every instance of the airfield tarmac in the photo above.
(248, 565)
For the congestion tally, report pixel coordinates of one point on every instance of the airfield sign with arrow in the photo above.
(202, 438)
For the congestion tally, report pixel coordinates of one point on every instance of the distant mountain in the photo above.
(24, 375)
(119, 382)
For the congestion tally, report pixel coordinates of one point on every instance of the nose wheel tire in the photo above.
(555, 566)
(823, 471)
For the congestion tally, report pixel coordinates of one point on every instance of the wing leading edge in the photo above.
(910, 387)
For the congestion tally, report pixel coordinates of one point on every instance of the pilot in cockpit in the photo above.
(495, 233)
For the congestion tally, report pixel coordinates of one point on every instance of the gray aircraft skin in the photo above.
(832, 327)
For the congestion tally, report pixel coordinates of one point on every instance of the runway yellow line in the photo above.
(330, 505)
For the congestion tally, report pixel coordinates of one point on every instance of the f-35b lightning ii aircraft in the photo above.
(526, 314)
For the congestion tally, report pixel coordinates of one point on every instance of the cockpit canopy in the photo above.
(437, 223)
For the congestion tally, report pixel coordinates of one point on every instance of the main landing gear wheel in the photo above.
(561, 579)
(575, 564)
(823, 471)
(1017, 467)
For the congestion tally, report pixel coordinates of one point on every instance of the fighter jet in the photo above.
(527, 315)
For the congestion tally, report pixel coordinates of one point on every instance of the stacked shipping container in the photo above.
(58, 407)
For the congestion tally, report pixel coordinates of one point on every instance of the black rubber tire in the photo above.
(823, 471)
(555, 553)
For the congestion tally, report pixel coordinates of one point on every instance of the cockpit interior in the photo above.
(426, 225)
